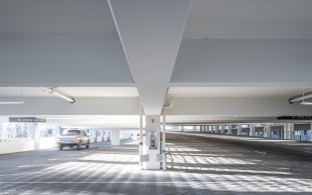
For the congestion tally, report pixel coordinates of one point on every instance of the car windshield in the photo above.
(71, 132)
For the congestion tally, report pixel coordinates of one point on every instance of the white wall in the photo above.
(16, 145)
(25, 144)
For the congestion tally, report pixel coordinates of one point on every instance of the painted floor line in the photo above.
(12, 174)
(260, 152)
(42, 165)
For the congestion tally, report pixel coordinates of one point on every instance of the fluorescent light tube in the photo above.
(306, 103)
(71, 100)
(12, 102)
(52, 91)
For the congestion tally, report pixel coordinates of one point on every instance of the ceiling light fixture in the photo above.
(303, 102)
(14, 102)
(301, 97)
(52, 91)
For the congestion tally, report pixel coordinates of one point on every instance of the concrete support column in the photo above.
(222, 129)
(252, 131)
(288, 131)
(152, 146)
(57, 130)
(94, 135)
(30, 130)
(239, 129)
(268, 130)
(230, 129)
(102, 135)
(163, 164)
(36, 137)
(115, 137)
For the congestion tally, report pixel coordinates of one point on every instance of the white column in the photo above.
(164, 140)
(141, 136)
(102, 135)
(252, 131)
(164, 134)
(239, 129)
(152, 148)
(30, 130)
(141, 126)
(268, 130)
(288, 131)
(222, 129)
(230, 129)
(57, 130)
(36, 137)
(115, 137)
(94, 136)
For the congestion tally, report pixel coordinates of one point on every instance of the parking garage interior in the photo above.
(174, 96)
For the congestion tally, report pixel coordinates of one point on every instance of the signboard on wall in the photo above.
(294, 118)
(26, 120)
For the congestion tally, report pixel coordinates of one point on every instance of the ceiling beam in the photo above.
(82, 106)
(237, 107)
(151, 32)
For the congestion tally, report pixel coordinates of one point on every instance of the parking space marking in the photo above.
(42, 165)
(260, 152)
(12, 174)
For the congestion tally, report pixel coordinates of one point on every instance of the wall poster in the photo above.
(153, 140)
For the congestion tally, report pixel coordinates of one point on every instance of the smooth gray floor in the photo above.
(196, 165)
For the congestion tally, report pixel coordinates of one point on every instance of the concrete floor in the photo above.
(196, 165)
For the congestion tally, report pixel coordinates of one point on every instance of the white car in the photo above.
(74, 137)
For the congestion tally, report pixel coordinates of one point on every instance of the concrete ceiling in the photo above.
(56, 18)
(249, 19)
(74, 45)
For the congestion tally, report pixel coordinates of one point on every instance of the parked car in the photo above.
(74, 137)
